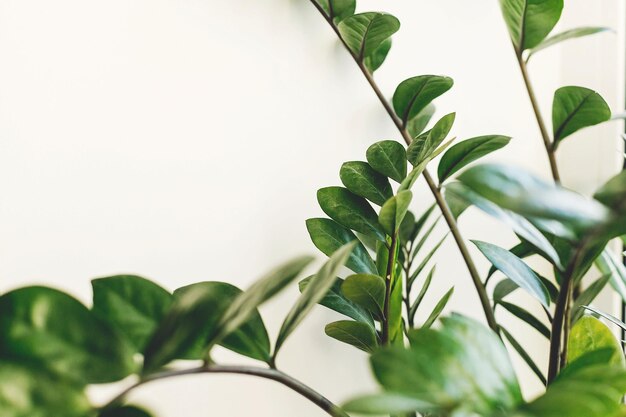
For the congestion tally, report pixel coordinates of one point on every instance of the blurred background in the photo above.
(185, 141)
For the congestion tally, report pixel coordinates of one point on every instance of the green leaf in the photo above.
(438, 309)
(607, 316)
(423, 147)
(364, 33)
(589, 334)
(595, 357)
(29, 392)
(588, 295)
(530, 21)
(575, 108)
(422, 293)
(523, 193)
(418, 124)
(463, 366)
(567, 35)
(314, 292)
(515, 269)
(393, 211)
(336, 301)
(377, 58)
(503, 288)
(407, 228)
(250, 339)
(414, 94)
(389, 158)
(328, 236)
(367, 291)
(521, 250)
(613, 192)
(51, 330)
(468, 151)
(526, 316)
(386, 403)
(125, 411)
(608, 265)
(361, 179)
(354, 333)
(524, 355)
(132, 304)
(338, 9)
(350, 210)
(410, 179)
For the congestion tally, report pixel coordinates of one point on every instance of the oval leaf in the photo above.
(354, 333)
(367, 291)
(414, 94)
(423, 147)
(468, 151)
(530, 21)
(338, 9)
(575, 108)
(363, 180)
(365, 32)
(589, 334)
(393, 211)
(389, 158)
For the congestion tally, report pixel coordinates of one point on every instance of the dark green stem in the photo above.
(272, 374)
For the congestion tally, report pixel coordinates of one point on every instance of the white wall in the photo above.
(184, 140)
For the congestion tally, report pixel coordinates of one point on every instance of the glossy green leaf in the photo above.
(363, 180)
(589, 334)
(336, 301)
(463, 366)
(132, 304)
(30, 392)
(389, 158)
(386, 403)
(364, 33)
(338, 9)
(367, 291)
(423, 147)
(468, 151)
(350, 210)
(376, 59)
(393, 211)
(567, 35)
(530, 21)
(328, 236)
(417, 124)
(515, 269)
(575, 108)
(354, 333)
(441, 304)
(51, 330)
(414, 94)
(527, 317)
(521, 250)
(250, 339)
(523, 193)
(588, 296)
(314, 292)
(524, 355)
(125, 411)
(418, 170)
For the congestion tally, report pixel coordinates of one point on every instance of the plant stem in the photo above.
(272, 374)
(391, 261)
(443, 206)
(547, 142)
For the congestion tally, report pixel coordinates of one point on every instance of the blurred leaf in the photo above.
(418, 124)
(364, 33)
(441, 304)
(336, 301)
(589, 334)
(515, 269)
(367, 291)
(125, 411)
(567, 35)
(338, 9)
(530, 21)
(250, 339)
(314, 292)
(389, 158)
(424, 145)
(595, 357)
(524, 355)
(350, 210)
(468, 151)
(527, 317)
(422, 293)
(386, 403)
(575, 108)
(613, 192)
(525, 194)
(51, 330)
(328, 236)
(29, 392)
(455, 202)
(463, 367)
(354, 333)
(361, 179)
(607, 316)
(503, 288)
(414, 94)
(393, 211)
(608, 265)
(377, 57)
(587, 296)
(132, 304)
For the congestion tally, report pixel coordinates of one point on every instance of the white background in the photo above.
(185, 140)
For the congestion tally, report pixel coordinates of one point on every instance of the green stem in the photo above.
(271, 374)
(391, 261)
(443, 206)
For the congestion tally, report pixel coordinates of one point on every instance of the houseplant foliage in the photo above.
(52, 346)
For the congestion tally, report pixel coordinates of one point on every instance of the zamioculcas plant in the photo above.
(52, 347)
